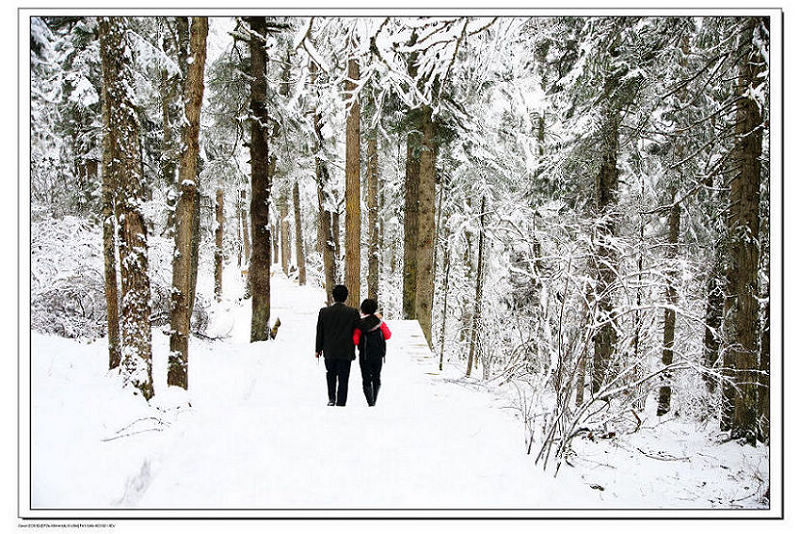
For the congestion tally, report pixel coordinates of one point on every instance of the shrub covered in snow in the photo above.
(67, 286)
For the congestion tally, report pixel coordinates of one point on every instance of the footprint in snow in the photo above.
(135, 486)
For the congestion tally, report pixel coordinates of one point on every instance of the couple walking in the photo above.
(340, 329)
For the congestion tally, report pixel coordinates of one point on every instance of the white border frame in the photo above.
(24, 509)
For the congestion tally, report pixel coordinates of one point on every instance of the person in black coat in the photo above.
(335, 327)
(370, 338)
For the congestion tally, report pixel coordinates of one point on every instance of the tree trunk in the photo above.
(245, 230)
(298, 236)
(171, 89)
(373, 251)
(109, 245)
(713, 321)
(283, 227)
(410, 225)
(381, 233)
(469, 274)
(671, 293)
(640, 362)
(218, 251)
(196, 237)
(764, 360)
(665, 391)
(337, 234)
(446, 261)
(352, 263)
(325, 230)
(741, 303)
(124, 171)
(186, 211)
(320, 241)
(260, 183)
(426, 227)
(327, 242)
(764, 368)
(276, 243)
(167, 150)
(438, 227)
(580, 380)
(476, 316)
(606, 336)
(239, 237)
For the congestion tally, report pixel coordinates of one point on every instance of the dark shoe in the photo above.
(331, 403)
(340, 405)
(371, 404)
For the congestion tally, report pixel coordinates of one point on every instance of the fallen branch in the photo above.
(638, 421)
(156, 419)
(273, 333)
(133, 434)
(663, 458)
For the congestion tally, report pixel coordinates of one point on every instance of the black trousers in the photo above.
(371, 377)
(337, 370)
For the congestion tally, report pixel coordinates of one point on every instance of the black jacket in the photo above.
(335, 327)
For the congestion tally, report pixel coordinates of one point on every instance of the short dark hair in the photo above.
(339, 293)
(369, 306)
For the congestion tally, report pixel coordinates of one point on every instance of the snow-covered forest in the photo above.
(565, 219)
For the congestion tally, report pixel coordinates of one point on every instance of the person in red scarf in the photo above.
(370, 337)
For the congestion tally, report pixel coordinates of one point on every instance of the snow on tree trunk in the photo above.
(337, 242)
(171, 110)
(606, 190)
(741, 311)
(124, 170)
(475, 341)
(195, 249)
(665, 391)
(713, 320)
(218, 242)
(373, 250)
(446, 262)
(186, 210)
(260, 183)
(764, 360)
(325, 232)
(167, 159)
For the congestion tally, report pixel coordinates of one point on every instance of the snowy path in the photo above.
(260, 435)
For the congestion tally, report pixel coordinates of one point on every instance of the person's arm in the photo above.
(385, 329)
(320, 335)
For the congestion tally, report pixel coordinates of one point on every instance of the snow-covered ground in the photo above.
(254, 431)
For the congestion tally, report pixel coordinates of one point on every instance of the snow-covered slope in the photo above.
(254, 431)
